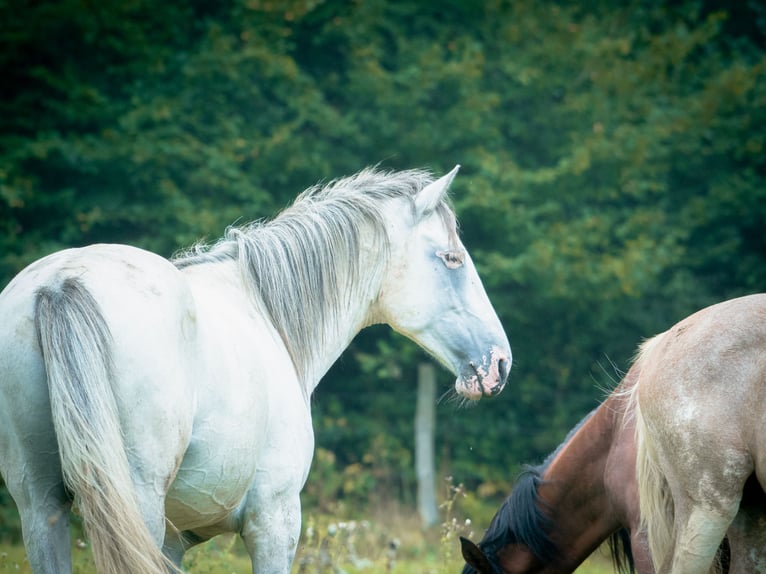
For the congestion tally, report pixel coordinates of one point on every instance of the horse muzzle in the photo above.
(485, 378)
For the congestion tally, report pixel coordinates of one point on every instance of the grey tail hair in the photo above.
(76, 345)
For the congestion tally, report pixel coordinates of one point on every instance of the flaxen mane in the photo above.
(308, 257)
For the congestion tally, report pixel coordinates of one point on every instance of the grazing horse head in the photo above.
(524, 537)
(518, 538)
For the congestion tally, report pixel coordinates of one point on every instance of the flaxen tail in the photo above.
(655, 499)
(76, 346)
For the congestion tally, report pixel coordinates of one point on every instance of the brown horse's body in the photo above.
(587, 491)
(590, 488)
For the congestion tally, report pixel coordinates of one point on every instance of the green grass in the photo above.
(391, 542)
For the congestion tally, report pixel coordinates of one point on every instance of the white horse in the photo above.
(170, 399)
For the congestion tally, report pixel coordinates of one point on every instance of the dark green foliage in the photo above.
(612, 182)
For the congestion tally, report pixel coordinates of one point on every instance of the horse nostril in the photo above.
(504, 368)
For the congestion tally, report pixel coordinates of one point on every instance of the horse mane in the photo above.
(523, 519)
(520, 520)
(308, 257)
(621, 551)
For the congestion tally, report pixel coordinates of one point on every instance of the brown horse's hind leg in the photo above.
(747, 534)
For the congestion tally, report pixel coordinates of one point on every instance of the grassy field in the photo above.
(392, 544)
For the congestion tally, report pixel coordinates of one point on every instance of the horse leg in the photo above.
(156, 472)
(642, 558)
(45, 527)
(174, 548)
(271, 514)
(747, 534)
(747, 541)
(37, 487)
(34, 480)
(705, 484)
(698, 536)
(706, 491)
(271, 531)
(177, 543)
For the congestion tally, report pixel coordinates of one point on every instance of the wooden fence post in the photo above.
(425, 423)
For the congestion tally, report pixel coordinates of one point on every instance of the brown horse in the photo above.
(586, 493)
(701, 435)
(561, 511)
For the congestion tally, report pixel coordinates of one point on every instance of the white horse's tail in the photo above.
(76, 346)
(655, 499)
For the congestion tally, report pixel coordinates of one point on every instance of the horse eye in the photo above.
(452, 259)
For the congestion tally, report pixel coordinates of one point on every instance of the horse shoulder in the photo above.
(252, 429)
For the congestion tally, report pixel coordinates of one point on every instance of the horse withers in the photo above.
(171, 399)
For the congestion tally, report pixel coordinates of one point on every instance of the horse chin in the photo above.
(471, 392)
(475, 387)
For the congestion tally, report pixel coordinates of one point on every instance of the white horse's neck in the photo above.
(318, 323)
(348, 327)
(350, 320)
(359, 310)
(315, 272)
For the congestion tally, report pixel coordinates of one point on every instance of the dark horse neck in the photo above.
(584, 493)
(575, 489)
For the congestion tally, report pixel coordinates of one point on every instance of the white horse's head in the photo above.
(432, 294)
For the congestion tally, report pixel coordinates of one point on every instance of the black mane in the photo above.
(622, 552)
(520, 520)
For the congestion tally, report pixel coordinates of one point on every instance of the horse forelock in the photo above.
(309, 256)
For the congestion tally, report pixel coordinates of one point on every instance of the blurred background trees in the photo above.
(612, 181)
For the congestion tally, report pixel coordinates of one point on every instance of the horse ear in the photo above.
(430, 196)
(474, 557)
